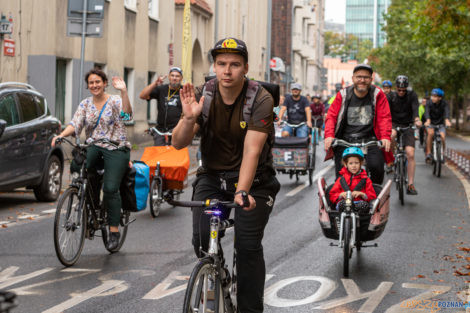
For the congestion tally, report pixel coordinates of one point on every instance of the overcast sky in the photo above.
(335, 10)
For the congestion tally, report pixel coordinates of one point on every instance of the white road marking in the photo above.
(7, 278)
(79, 298)
(161, 290)
(463, 180)
(28, 216)
(327, 286)
(48, 211)
(374, 297)
(434, 291)
(317, 175)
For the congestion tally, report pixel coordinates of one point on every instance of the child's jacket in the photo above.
(352, 181)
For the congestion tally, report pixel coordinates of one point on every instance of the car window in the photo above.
(8, 111)
(27, 106)
(40, 104)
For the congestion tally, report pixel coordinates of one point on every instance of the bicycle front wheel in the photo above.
(401, 181)
(347, 249)
(69, 227)
(122, 230)
(438, 163)
(204, 292)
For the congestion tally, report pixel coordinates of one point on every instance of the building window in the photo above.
(152, 103)
(130, 4)
(153, 9)
(129, 78)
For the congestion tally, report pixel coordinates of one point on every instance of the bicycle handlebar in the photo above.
(152, 130)
(85, 145)
(293, 125)
(411, 126)
(209, 203)
(344, 143)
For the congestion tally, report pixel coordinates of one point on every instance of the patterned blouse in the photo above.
(111, 125)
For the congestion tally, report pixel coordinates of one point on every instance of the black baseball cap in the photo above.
(230, 45)
(366, 67)
(176, 69)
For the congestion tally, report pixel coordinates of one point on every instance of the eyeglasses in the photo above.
(363, 77)
(401, 90)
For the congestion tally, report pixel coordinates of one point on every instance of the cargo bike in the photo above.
(350, 227)
(168, 172)
(295, 155)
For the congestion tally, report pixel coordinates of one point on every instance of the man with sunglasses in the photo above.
(169, 107)
(360, 113)
(404, 108)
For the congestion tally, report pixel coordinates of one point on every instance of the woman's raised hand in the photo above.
(191, 108)
(118, 83)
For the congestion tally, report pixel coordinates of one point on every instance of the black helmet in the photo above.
(401, 81)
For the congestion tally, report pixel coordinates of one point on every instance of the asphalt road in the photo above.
(423, 248)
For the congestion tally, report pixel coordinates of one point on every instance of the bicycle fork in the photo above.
(353, 230)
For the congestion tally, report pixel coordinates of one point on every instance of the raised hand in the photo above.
(160, 80)
(118, 83)
(191, 108)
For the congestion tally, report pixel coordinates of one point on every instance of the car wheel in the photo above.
(51, 183)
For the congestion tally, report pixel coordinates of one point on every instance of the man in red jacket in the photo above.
(360, 112)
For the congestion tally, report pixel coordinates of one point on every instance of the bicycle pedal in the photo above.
(333, 244)
(131, 221)
(372, 245)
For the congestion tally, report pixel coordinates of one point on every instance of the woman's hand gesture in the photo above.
(191, 108)
(118, 83)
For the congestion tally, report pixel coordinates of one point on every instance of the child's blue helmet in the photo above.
(387, 83)
(353, 151)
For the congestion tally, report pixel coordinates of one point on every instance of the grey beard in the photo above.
(174, 86)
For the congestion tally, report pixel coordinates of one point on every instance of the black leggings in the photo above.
(374, 159)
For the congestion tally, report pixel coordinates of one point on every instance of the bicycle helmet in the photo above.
(387, 83)
(352, 151)
(401, 81)
(437, 92)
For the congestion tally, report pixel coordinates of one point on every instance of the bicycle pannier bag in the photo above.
(135, 187)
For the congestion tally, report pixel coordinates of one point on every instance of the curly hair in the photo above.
(98, 72)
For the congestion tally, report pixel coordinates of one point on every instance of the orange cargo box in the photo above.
(174, 164)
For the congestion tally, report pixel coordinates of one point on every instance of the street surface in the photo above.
(420, 255)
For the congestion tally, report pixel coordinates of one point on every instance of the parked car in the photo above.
(26, 130)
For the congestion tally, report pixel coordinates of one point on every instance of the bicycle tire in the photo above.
(123, 224)
(346, 245)
(438, 160)
(401, 181)
(197, 293)
(154, 197)
(311, 168)
(68, 209)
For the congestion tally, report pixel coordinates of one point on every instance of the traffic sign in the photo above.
(94, 27)
(95, 9)
(6, 27)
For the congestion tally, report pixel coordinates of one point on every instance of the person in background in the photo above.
(318, 112)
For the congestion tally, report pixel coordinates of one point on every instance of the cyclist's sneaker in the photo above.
(429, 158)
(411, 190)
(113, 240)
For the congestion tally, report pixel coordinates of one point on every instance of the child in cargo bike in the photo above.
(354, 178)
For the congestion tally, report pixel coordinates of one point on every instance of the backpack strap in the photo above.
(344, 184)
(250, 96)
(360, 185)
(208, 92)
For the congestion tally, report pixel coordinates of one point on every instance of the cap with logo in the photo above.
(176, 69)
(230, 45)
(366, 67)
(296, 86)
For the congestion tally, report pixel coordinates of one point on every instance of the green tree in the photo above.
(429, 41)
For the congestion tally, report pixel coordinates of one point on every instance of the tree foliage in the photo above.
(429, 41)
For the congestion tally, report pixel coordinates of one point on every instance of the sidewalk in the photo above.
(136, 154)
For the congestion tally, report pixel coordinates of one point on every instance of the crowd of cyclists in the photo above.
(241, 168)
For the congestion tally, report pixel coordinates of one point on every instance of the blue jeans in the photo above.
(301, 131)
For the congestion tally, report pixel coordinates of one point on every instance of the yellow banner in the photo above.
(187, 43)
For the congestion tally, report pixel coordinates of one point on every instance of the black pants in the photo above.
(249, 231)
(374, 160)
